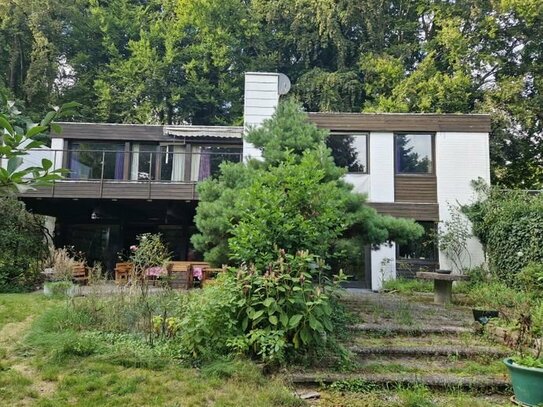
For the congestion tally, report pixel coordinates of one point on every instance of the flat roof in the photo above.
(434, 122)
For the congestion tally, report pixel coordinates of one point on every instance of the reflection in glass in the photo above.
(143, 162)
(172, 163)
(86, 160)
(423, 248)
(207, 159)
(349, 151)
(414, 153)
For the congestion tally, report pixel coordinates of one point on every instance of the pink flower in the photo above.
(133, 247)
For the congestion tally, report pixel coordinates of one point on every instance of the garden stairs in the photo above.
(402, 341)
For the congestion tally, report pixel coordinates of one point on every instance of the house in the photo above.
(128, 179)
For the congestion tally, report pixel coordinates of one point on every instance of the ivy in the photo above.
(509, 224)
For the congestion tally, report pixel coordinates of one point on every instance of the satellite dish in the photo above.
(284, 84)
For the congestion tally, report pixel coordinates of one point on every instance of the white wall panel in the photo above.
(460, 158)
(261, 99)
(381, 164)
(361, 182)
(383, 265)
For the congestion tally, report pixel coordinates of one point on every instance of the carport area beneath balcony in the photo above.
(103, 230)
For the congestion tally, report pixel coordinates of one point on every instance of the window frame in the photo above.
(432, 171)
(435, 227)
(355, 134)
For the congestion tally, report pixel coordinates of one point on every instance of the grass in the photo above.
(360, 395)
(408, 286)
(44, 365)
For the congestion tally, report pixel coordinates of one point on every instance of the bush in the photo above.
(508, 224)
(23, 246)
(267, 315)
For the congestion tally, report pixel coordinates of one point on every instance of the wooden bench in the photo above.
(80, 274)
(122, 273)
(442, 285)
(180, 272)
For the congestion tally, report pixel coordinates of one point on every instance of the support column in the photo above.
(383, 265)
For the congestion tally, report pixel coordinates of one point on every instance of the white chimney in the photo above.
(262, 91)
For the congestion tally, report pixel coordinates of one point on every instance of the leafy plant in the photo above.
(23, 246)
(267, 314)
(17, 138)
(453, 235)
(508, 224)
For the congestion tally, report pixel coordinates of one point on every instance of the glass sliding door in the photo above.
(172, 163)
(86, 160)
(207, 159)
(144, 162)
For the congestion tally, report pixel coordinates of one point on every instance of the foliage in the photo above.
(287, 307)
(18, 136)
(294, 200)
(62, 262)
(530, 279)
(291, 207)
(271, 316)
(210, 318)
(59, 289)
(150, 252)
(508, 224)
(453, 235)
(408, 286)
(23, 246)
(183, 61)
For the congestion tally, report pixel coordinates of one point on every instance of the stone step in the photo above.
(487, 367)
(436, 350)
(435, 381)
(431, 340)
(397, 329)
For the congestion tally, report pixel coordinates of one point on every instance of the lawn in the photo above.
(50, 369)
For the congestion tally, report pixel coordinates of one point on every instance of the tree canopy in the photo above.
(181, 61)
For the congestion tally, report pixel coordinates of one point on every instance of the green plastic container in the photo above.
(527, 383)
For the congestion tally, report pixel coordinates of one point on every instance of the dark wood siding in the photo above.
(415, 188)
(402, 122)
(422, 212)
(116, 190)
(101, 131)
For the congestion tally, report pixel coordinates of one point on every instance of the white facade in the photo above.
(460, 158)
(261, 99)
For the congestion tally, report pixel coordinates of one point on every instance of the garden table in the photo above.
(442, 285)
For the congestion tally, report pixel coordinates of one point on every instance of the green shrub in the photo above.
(530, 279)
(23, 246)
(508, 224)
(266, 315)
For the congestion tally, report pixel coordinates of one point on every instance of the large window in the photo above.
(144, 162)
(86, 160)
(414, 154)
(350, 151)
(207, 159)
(423, 248)
(172, 163)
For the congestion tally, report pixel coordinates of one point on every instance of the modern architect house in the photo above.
(129, 179)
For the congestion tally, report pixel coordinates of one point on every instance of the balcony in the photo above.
(167, 173)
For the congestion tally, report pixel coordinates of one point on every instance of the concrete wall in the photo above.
(35, 157)
(460, 158)
(381, 168)
(261, 99)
